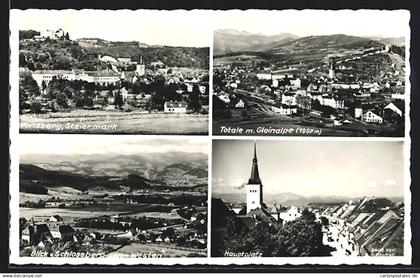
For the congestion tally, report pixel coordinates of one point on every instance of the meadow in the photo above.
(117, 122)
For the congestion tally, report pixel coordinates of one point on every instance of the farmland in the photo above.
(118, 122)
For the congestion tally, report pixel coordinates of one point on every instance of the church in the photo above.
(256, 210)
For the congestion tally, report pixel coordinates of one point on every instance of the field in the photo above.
(117, 122)
(165, 250)
(28, 213)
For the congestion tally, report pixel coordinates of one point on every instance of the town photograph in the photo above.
(112, 197)
(294, 199)
(310, 73)
(125, 76)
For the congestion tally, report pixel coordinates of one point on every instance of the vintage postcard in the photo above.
(124, 74)
(119, 156)
(116, 197)
(332, 201)
(311, 73)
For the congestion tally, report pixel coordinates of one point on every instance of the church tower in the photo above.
(254, 191)
(140, 67)
(331, 71)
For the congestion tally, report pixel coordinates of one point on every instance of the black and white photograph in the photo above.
(295, 199)
(123, 72)
(311, 73)
(90, 197)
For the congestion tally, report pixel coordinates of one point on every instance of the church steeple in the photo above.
(254, 188)
(255, 175)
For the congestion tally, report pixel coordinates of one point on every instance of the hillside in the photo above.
(170, 169)
(305, 53)
(398, 41)
(37, 180)
(63, 54)
(228, 41)
(292, 199)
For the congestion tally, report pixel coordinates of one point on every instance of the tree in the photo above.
(324, 221)
(36, 107)
(195, 99)
(118, 100)
(62, 99)
(302, 237)
(66, 36)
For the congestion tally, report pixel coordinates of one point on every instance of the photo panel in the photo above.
(311, 73)
(300, 201)
(114, 199)
(125, 74)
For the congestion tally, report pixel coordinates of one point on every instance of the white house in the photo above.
(291, 214)
(289, 99)
(224, 97)
(233, 85)
(124, 93)
(296, 83)
(398, 96)
(55, 218)
(175, 107)
(358, 112)
(240, 104)
(264, 75)
(284, 110)
(371, 117)
(332, 102)
(391, 106)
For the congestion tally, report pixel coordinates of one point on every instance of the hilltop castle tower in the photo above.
(254, 188)
(331, 71)
(140, 67)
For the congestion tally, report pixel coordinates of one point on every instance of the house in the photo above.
(398, 96)
(240, 104)
(291, 214)
(202, 89)
(233, 85)
(175, 107)
(124, 93)
(158, 64)
(264, 75)
(371, 117)
(358, 112)
(394, 108)
(284, 109)
(224, 97)
(289, 99)
(50, 34)
(331, 101)
(124, 60)
(296, 83)
(105, 77)
(55, 218)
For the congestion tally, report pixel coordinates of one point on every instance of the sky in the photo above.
(195, 28)
(318, 168)
(152, 27)
(363, 23)
(49, 144)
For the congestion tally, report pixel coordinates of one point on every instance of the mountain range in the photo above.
(230, 41)
(292, 199)
(172, 168)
